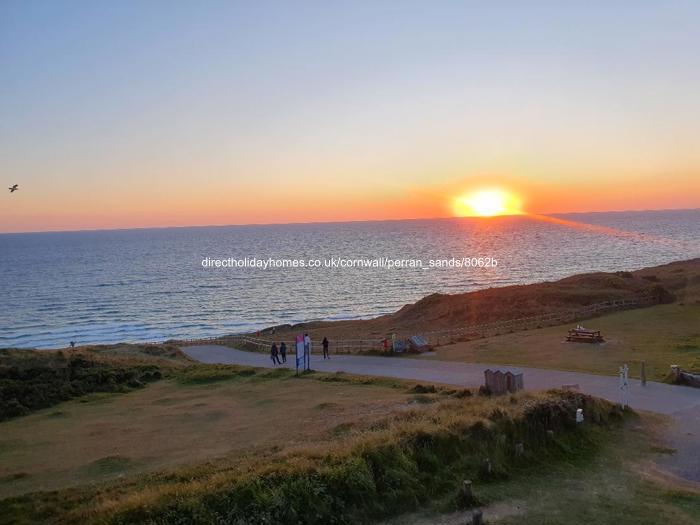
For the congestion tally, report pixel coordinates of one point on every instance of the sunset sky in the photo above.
(159, 113)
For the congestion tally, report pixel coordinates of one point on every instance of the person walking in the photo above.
(307, 352)
(325, 348)
(273, 355)
(283, 351)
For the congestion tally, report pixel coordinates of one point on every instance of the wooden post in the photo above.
(644, 373)
(676, 373)
(477, 517)
(467, 490)
(519, 449)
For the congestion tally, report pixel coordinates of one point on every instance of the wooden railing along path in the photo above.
(441, 337)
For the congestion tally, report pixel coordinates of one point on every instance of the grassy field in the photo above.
(237, 444)
(661, 335)
(205, 413)
(224, 444)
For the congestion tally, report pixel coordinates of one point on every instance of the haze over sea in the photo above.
(150, 285)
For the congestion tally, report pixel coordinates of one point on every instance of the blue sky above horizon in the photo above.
(118, 114)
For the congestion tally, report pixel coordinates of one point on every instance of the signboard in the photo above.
(300, 354)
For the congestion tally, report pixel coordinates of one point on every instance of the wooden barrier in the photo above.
(441, 337)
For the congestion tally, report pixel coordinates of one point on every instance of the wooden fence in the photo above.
(441, 337)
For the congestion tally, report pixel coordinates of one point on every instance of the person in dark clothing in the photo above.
(273, 355)
(283, 351)
(325, 348)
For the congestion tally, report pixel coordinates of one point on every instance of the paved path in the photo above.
(680, 402)
(655, 397)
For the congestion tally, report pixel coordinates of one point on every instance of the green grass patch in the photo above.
(273, 373)
(342, 377)
(110, 465)
(9, 445)
(661, 336)
(205, 374)
(13, 477)
(422, 399)
(326, 406)
(687, 501)
(57, 414)
(600, 487)
(31, 380)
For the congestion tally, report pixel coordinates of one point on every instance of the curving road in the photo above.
(682, 403)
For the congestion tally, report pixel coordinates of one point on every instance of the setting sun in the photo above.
(486, 203)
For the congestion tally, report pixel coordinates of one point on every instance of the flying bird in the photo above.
(13, 188)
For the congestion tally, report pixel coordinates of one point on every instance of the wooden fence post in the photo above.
(477, 517)
(467, 491)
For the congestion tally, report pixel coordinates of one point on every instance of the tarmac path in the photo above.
(681, 403)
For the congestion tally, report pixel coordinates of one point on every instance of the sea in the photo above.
(186, 283)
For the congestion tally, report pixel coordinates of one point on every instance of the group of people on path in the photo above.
(281, 352)
(275, 353)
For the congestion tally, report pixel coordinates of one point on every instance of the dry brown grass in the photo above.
(182, 441)
(124, 354)
(444, 312)
(397, 418)
(660, 335)
(102, 437)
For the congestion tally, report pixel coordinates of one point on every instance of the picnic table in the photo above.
(584, 335)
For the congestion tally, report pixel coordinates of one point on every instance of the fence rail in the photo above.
(447, 336)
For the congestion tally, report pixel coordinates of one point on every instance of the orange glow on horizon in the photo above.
(487, 203)
(105, 204)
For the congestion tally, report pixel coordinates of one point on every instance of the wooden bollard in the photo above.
(477, 518)
(675, 373)
(550, 434)
(643, 373)
(487, 467)
(467, 490)
(519, 449)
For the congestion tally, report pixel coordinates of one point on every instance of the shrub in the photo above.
(30, 381)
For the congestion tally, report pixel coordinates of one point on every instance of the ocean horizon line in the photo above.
(358, 221)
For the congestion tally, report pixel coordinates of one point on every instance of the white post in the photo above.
(624, 385)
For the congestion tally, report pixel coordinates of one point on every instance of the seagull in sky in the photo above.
(13, 188)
